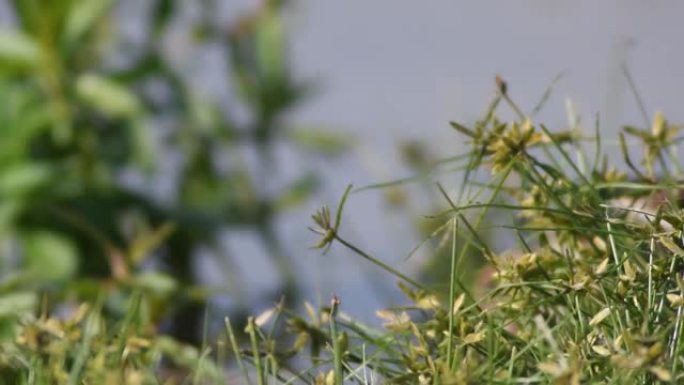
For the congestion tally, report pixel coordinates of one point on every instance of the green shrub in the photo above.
(87, 106)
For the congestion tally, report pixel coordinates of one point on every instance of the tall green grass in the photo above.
(592, 291)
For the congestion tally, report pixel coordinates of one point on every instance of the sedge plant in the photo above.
(592, 291)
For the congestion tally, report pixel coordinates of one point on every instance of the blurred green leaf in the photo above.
(327, 143)
(9, 211)
(18, 49)
(189, 356)
(83, 15)
(49, 256)
(107, 96)
(155, 282)
(298, 192)
(17, 303)
(206, 116)
(144, 148)
(144, 243)
(13, 306)
(17, 131)
(18, 180)
(270, 44)
(163, 11)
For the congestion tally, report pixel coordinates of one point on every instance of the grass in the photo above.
(592, 292)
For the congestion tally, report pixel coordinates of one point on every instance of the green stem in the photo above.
(484, 211)
(452, 293)
(236, 351)
(251, 329)
(379, 263)
(337, 354)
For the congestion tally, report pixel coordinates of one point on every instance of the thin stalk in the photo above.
(611, 239)
(546, 95)
(662, 297)
(650, 277)
(674, 159)
(516, 208)
(541, 182)
(337, 353)
(452, 292)
(478, 150)
(676, 336)
(511, 362)
(132, 312)
(256, 355)
(84, 350)
(597, 153)
(379, 263)
(580, 318)
(485, 210)
(567, 158)
(205, 350)
(236, 351)
(514, 106)
(635, 92)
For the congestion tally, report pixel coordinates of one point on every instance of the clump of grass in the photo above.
(89, 346)
(592, 292)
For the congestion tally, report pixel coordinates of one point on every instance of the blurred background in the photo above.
(179, 148)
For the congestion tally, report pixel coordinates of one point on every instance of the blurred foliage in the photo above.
(87, 347)
(87, 108)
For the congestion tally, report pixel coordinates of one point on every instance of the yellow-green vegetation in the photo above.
(97, 283)
(88, 346)
(591, 293)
